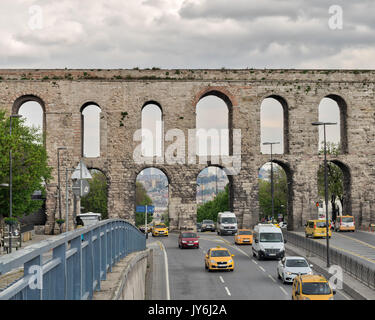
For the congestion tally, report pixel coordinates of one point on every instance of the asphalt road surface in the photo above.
(185, 277)
(359, 245)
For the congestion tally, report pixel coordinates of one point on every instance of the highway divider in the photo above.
(355, 268)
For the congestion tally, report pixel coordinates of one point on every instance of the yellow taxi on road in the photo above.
(317, 228)
(311, 287)
(219, 258)
(159, 229)
(243, 236)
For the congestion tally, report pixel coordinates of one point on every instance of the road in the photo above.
(185, 277)
(359, 245)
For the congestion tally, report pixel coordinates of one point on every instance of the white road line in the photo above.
(261, 268)
(168, 295)
(226, 288)
(254, 261)
(272, 278)
(221, 279)
(282, 289)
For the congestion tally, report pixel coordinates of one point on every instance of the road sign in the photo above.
(77, 172)
(81, 192)
(150, 209)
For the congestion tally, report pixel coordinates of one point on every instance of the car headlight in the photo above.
(213, 261)
(230, 261)
(288, 273)
(310, 272)
(183, 241)
(332, 298)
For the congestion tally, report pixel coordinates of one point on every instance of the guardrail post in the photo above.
(89, 278)
(96, 258)
(103, 252)
(34, 293)
(59, 273)
(77, 269)
(109, 246)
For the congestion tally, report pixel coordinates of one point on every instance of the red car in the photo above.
(188, 239)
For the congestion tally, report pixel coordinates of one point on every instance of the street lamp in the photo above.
(272, 191)
(11, 178)
(324, 124)
(58, 176)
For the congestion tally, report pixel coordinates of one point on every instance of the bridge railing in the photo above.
(71, 265)
(355, 268)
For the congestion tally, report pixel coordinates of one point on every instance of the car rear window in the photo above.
(220, 253)
(319, 288)
(189, 235)
(347, 219)
(320, 224)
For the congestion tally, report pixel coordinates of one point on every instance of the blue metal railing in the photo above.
(80, 260)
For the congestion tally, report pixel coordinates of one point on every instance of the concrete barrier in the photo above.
(127, 281)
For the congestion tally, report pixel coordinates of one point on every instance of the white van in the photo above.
(268, 242)
(226, 223)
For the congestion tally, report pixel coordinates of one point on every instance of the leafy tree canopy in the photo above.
(210, 209)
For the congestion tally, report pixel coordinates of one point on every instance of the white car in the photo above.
(289, 267)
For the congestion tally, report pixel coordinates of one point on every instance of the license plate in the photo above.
(246, 240)
(272, 254)
(190, 244)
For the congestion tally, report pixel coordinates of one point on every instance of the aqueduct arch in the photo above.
(122, 93)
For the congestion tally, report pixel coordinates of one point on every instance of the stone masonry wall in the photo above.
(64, 92)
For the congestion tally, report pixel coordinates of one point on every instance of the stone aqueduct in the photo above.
(63, 93)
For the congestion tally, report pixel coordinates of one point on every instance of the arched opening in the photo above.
(90, 128)
(152, 189)
(333, 109)
(338, 187)
(214, 193)
(214, 125)
(282, 193)
(97, 199)
(152, 130)
(274, 124)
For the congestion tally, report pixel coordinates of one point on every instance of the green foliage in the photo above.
(210, 209)
(96, 200)
(30, 167)
(165, 218)
(280, 194)
(141, 199)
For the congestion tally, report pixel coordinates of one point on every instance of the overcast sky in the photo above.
(188, 34)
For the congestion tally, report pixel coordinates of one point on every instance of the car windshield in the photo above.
(246, 233)
(296, 263)
(320, 224)
(312, 288)
(228, 220)
(208, 221)
(160, 226)
(271, 237)
(220, 253)
(189, 235)
(347, 219)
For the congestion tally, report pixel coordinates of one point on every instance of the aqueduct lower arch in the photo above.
(122, 93)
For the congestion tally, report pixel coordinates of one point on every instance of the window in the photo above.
(318, 288)
(245, 233)
(270, 237)
(296, 263)
(220, 253)
(228, 220)
(189, 235)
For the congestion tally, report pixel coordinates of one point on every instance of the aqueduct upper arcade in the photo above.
(121, 95)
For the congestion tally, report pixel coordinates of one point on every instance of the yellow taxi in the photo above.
(311, 287)
(219, 258)
(317, 228)
(243, 236)
(159, 229)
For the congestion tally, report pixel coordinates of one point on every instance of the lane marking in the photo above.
(261, 268)
(168, 295)
(272, 278)
(359, 241)
(226, 288)
(221, 279)
(282, 289)
(254, 261)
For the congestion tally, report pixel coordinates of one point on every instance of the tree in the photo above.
(210, 209)
(335, 178)
(141, 199)
(96, 200)
(280, 194)
(30, 166)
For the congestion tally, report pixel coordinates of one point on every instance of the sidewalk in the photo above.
(35, 239)
(351, 286)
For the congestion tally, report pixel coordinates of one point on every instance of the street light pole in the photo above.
(272, 188)
(324, 124)
(11, 179)
(58, 177)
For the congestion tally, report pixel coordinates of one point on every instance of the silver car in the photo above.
(289, 267)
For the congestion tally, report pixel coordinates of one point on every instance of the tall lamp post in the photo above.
(11, 179)
(324, 124)
(58, 176)
(272, 191)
